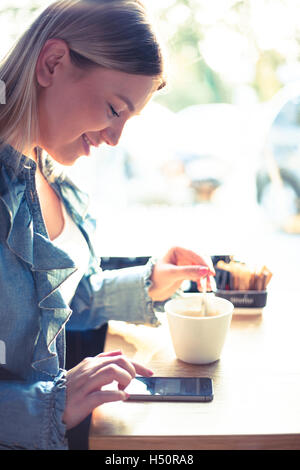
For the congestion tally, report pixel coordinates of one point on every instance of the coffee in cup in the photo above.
(198, 313)
(198, 338)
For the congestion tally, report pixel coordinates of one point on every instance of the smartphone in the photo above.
(171, 389)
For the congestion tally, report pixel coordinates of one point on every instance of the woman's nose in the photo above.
(113, 134)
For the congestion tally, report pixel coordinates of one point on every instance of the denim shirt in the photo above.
(33, 314)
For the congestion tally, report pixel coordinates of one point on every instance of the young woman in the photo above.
(72, 81)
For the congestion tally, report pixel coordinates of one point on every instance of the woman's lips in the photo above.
(86, 145)
(87, 142)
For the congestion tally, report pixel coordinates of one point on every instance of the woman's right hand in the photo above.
(85, 382)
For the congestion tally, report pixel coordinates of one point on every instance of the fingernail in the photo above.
(203, 272)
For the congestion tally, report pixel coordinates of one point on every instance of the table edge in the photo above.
(215, 442)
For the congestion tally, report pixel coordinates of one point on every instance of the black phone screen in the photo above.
(171, 388)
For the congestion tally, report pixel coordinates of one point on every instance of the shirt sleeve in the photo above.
(120, 294)
(31, 414)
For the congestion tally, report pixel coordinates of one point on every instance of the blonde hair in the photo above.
(114, 34)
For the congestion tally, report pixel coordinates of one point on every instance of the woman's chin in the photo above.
(65, 158)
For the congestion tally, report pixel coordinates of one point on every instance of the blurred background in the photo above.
(213, 162)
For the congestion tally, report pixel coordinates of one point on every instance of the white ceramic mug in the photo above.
(198, 339)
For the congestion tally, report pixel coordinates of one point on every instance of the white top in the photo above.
(72, 242)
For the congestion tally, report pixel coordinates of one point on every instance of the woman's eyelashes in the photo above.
(114, 112)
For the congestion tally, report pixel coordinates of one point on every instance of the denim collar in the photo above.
(50, 266)
(19, 164)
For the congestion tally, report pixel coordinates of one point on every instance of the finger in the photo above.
(105, 376)
(90, 365)
(142, 370)
(191, 273)
(117, 352)
(132, 367)
(210, 286)
(106, 396)
(182, 256)
(121, 361)
(213, 284)
(202, 286)
(194, 259)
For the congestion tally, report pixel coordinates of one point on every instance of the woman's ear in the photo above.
(53, 54)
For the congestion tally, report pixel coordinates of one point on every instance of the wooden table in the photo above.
(256, 388)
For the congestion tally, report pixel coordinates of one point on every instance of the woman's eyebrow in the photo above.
(127, 102)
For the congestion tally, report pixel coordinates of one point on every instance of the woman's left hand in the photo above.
(176, 266)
